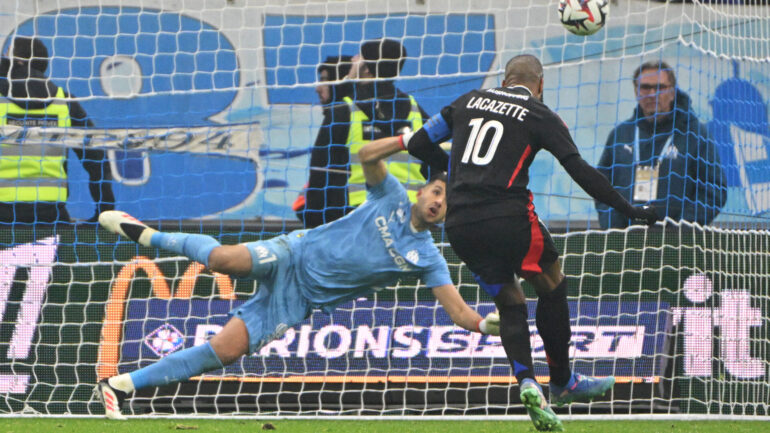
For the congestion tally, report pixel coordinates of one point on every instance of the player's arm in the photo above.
(425, 144)
(371, 157)
(463, 315)
(596, 185)
(555, 136)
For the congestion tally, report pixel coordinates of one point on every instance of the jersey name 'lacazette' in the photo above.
(495, 136)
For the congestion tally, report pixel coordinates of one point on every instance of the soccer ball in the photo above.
(583, 17)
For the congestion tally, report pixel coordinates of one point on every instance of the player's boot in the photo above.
(581, 389)
(537, 407)
(126, 225)
(111, 398)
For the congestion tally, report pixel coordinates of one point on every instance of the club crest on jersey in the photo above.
(401, 215)
(261, 251)
(413, 256)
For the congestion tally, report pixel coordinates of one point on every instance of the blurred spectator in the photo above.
(333, 68)
(662, 155)
(33, 176)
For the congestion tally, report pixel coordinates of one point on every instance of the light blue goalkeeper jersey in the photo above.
(368, 249)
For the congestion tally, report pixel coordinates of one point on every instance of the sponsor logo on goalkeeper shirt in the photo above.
(387, 239)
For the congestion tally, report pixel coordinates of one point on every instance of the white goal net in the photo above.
(207, 114)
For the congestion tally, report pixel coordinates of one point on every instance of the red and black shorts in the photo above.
(498, 249)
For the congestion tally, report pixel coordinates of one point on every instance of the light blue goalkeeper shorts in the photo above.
(278, 304)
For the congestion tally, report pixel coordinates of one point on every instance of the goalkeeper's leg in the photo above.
(228, 259)
(224, 348)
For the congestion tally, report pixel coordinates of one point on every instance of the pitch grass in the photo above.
(70, 425)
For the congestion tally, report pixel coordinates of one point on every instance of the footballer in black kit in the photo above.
(492, 225)
(496, 134)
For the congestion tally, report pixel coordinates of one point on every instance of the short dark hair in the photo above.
(523, 69)
(30, 50)
(384, 58)
(336, 67)
(658, 65)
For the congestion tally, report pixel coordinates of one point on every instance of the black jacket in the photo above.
(691, 186)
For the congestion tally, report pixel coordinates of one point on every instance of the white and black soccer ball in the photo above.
(583, 17)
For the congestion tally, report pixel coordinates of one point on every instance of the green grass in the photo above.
(64, 425)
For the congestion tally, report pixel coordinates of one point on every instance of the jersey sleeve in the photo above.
(553, 135)
(424, 145)
(389, 187)
(437, 273)
(439, 127)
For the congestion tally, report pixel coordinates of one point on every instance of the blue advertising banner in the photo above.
(399, 341)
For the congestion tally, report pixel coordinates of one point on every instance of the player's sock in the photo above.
(122, 382)
(140, 234)
(514, 335)
(553, 325)
(177, 366)
(194, 246)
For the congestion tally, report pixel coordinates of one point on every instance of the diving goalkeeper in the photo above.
(384, 239)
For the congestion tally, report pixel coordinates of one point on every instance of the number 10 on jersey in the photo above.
(476, 138)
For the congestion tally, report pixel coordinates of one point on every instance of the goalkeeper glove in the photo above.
(490, 324)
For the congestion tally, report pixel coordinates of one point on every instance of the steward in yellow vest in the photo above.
(400, 165)
(376, 109)
(33, 176)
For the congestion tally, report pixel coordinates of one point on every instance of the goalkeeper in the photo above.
(384, 239)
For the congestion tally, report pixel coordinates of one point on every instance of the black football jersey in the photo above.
(496, 134)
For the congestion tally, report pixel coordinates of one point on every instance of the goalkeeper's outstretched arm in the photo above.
(463, 315)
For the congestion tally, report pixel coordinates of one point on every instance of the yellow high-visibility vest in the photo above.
(32, 172)
(400, 165)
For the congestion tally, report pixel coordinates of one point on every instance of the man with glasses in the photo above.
(662, 155)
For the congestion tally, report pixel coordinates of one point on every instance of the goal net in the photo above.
(203, 116)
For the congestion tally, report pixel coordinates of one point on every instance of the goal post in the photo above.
(207, 113)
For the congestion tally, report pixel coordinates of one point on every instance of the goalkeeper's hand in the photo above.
(645, 214)
(490, 324)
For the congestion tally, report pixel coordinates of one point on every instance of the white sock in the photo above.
(146, 236)
(122, 382)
